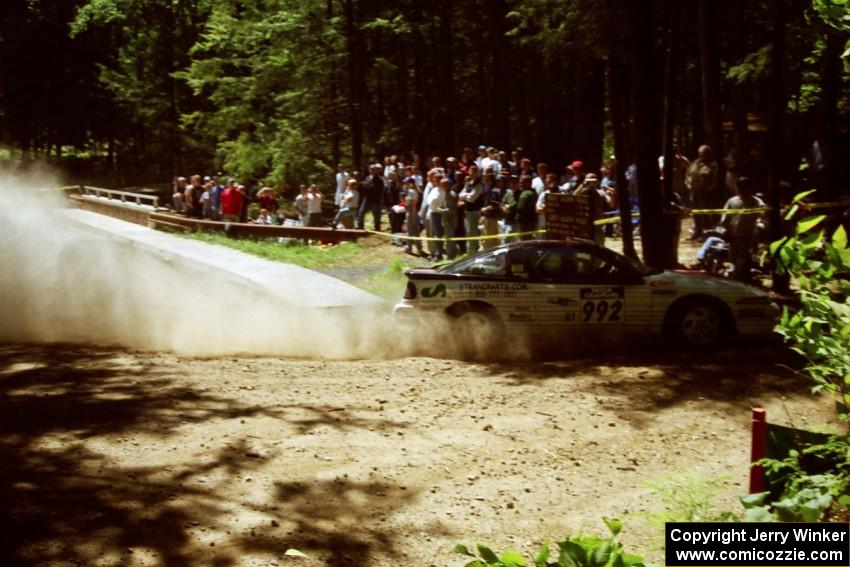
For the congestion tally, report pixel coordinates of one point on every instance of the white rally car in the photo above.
(556, 286)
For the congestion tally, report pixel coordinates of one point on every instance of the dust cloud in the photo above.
(61, 282)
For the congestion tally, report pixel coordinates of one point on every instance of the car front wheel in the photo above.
(697, 324)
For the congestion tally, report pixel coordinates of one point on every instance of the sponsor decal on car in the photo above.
(436, 291)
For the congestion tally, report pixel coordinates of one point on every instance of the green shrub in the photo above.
(577, 551)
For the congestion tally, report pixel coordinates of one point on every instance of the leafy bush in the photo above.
(577, 551)
(820, 329)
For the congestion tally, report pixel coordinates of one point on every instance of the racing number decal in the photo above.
(602, 304)
(599, 310)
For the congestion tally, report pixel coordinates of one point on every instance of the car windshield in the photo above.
(636, 265)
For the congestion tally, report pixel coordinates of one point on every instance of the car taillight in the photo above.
(410, 290)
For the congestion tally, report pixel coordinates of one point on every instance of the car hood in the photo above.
(700, 281)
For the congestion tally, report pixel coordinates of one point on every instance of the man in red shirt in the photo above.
(231, 203)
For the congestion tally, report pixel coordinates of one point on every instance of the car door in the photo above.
(584, 287)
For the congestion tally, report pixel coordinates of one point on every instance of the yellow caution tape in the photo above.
(614, 220)
(458, 238)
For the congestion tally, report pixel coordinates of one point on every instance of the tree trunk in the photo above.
(774, 141)
(333, 122)
(657, 249)
(738, 92)
(616, 98)
(710, 66)
(670, 97)
(500, 93)
(354, 89)
(445, 88)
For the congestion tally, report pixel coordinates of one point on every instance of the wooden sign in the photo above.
(569, 216)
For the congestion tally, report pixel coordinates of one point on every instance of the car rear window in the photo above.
(492, 264)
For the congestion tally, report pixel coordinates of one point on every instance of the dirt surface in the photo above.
(116, 457)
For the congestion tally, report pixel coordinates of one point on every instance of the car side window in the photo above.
(553, 264)
(569, 264)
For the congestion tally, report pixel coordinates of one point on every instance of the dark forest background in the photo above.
(279, 91)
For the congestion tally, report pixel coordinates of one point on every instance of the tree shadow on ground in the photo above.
(646, 377)
(336, 518)
(62, 502)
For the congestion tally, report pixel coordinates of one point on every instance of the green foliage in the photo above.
(291, 252)
(820, 329)
(688, 497)
(144, 45)
(805, 497)
(264, 67)
(754, 67)
(576, 551)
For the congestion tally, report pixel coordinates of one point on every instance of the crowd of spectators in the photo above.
(478, 200)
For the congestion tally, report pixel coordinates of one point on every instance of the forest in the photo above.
(280, 91)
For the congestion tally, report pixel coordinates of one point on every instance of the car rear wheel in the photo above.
(479, 331)
(698, 324)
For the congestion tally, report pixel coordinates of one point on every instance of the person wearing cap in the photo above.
(576, 175)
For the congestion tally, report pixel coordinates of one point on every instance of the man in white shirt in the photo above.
(436, 208)
(539, 182)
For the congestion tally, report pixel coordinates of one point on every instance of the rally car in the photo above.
(557, 286)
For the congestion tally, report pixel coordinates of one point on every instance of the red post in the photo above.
(759, 442)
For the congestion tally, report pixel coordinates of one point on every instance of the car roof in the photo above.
(581, 242)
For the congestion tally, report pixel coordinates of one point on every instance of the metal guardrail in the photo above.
(322, 234)
(122, 196)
